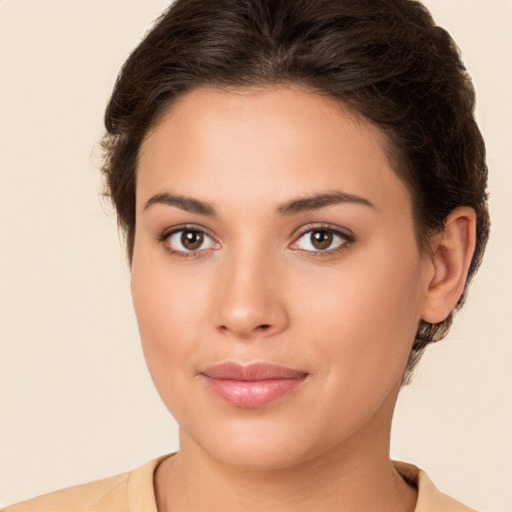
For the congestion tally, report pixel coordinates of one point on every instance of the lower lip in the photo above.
(252, 394)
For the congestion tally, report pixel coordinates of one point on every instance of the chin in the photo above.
(257, 446)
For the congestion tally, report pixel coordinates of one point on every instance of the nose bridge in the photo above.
(249, 302)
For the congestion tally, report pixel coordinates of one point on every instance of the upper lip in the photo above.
(251, 372)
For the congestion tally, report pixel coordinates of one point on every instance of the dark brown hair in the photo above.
(385, 59)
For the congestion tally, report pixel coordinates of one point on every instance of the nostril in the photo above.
(262, 328)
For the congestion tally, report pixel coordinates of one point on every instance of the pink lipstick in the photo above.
(251, 386)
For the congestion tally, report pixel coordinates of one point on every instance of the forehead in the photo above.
(265, 144)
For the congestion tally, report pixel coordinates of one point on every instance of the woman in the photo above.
(303, 190)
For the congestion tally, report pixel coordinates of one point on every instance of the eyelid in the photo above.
(164, 235)
(344, 233)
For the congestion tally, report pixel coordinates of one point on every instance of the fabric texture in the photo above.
(134, 492)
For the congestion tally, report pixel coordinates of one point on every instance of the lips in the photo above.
(251, 386)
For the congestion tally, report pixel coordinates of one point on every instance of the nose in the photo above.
(250, 299)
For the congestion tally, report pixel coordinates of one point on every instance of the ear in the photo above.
(449, 260)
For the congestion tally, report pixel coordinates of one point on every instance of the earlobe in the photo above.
(452, 251)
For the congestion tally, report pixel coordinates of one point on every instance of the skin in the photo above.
(257, 290)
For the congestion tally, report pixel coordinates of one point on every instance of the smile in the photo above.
(251, 386)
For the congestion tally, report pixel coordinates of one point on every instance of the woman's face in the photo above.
(276, 277)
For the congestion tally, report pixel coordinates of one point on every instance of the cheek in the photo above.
(365, 313)
(169, 310)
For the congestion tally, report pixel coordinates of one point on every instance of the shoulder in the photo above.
(430, 498)
(78, 498)
(122, 493)
(134, 491)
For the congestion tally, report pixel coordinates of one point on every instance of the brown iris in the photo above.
(192, 239)
(321, 239)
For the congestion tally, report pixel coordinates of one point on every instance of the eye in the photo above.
(189, 240)
(321, 240)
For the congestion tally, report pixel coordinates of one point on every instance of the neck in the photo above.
(355, 476)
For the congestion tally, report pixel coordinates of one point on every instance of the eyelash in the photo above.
(162, 238)
(347, 238)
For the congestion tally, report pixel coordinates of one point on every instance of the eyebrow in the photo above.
(319, 201)
(303, 204)
(185, 203)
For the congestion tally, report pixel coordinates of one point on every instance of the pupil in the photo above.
(321, 239)
(192, 239)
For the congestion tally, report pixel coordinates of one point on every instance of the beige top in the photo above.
(134, 492)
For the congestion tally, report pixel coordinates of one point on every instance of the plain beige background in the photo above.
(76, 402)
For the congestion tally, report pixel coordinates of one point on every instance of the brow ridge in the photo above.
(185, 203)
(293, 207)
(319, 201)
